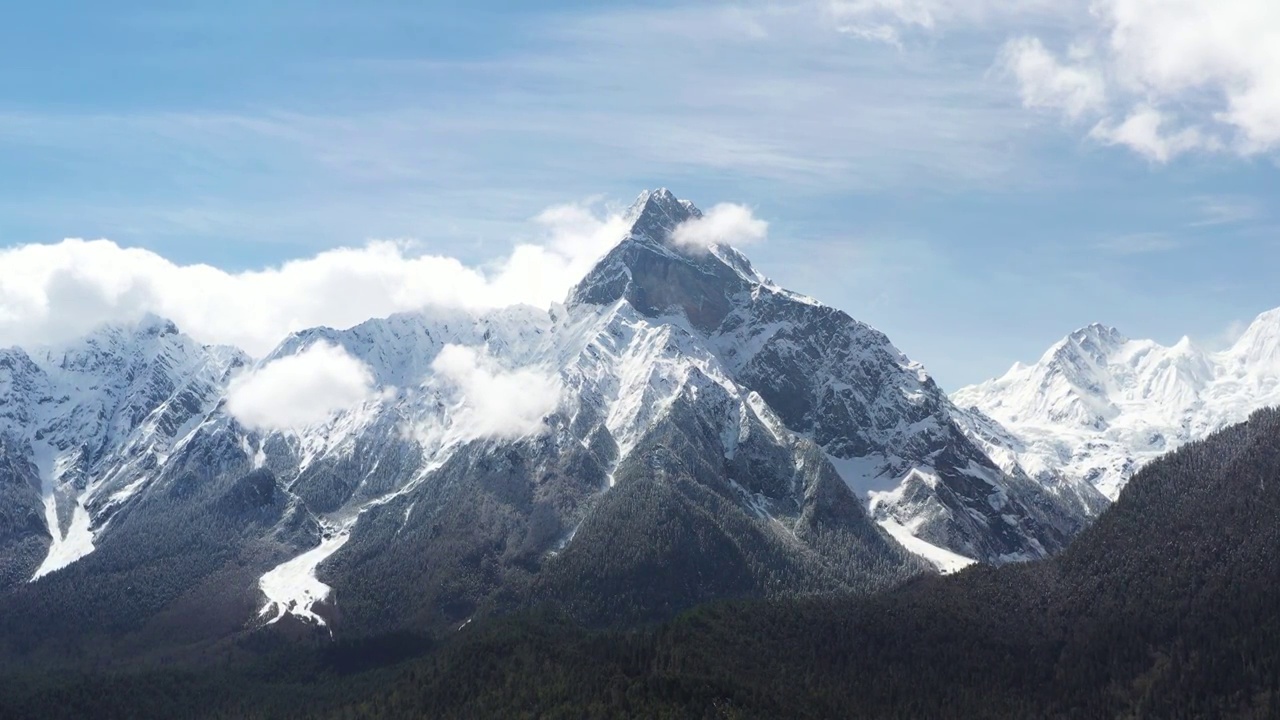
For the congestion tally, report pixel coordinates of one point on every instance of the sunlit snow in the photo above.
(1098, 406)
(68, 547)
(293, 588)
(943, 559)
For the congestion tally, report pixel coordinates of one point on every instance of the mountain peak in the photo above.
(655, 214)
(656, 275)
(140, 329)
(151, 324)
(1099, 334)
(1260, 342)
(1096, 341)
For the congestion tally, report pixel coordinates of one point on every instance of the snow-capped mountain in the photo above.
(1097, 406)
(707, 434)
(882, 421)
(83, 425)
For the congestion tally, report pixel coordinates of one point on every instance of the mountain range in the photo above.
(680, 429)
(1098, 406)
(1164, 608)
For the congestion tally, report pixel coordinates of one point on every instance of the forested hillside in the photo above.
(1168, 607)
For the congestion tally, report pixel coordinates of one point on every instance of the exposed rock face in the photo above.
(83, 426)
(714, 436)
(842, 384)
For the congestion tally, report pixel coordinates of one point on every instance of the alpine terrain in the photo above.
(1098, 406)
(1163, 608)
(706, 435)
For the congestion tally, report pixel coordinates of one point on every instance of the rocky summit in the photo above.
(707, 435)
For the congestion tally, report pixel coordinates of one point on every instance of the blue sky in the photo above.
(974, 207)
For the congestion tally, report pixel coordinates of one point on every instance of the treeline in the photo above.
(1169, 607)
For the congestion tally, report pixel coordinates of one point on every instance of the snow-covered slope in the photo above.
(94, 419)
(707, 434)
(628, 373)
(1097, 406)
(885, 425)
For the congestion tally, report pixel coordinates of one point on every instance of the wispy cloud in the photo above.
(1139, 244)
(1229, 335)
(761, 92)
(1181, 77)
(1225, 210)
(894, 19)
(1047, 83)
(1162, 79)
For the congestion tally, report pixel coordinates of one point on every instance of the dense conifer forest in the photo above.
(1168, 607)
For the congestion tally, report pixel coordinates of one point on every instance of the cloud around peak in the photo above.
(50, 293)
(494, 401)
(299, 390)
(723, 224)
(307, 388)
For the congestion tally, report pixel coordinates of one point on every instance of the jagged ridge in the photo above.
(1098, 406)
(717, 436)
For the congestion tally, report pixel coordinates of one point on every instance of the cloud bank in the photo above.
(51, 293)
(57, 292)
(495, 402)
(300, 390)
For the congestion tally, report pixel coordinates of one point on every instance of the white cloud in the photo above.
(51, 293)
(724, 224)
(1144, 132)
(1185, 50)
(1046, 83)
(889, 20)
(539, 274)
(495, 402)
(300, 390)
(1209, 68)
(1134, 68)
